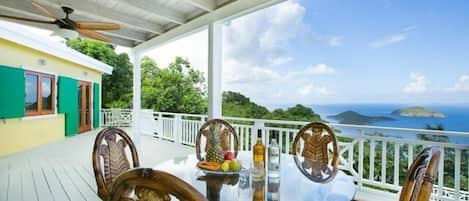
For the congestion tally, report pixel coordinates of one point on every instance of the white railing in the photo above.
(376, 157)
(116, 117)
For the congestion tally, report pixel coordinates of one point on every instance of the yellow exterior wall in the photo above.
(24, 133)
(14, 55)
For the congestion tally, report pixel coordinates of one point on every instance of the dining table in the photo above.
(292, 185)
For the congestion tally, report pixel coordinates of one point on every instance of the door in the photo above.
(84, 106)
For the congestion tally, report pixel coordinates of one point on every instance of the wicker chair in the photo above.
(225, 131)
(110, 159)
(419, 181)
(314, 142)
(152, 185)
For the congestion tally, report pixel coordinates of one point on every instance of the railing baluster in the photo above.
(457, 173)
(441, 171)
(383, 161)
(361, 151)
(287, 142)
(280, 140)
(372, 160)
(350, 156)
(410, 157)
(396, 163)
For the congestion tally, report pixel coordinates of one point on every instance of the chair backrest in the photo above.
(152, 185)
(225, 130)
(110, 158)
(419, 181)
(314, 141)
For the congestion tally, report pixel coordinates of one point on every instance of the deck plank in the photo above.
(14, 188)
(4, 174)
(71, 190)
(62, 170)
(82, 186)
(43, 190)
(27, 181)
(80, 170)
(55, 186)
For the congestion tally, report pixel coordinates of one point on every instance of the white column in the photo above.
(214, 70)
(136, 102)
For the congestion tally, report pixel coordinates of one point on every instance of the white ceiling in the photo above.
(140, 20)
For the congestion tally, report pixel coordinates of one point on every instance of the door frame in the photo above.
(82, 115)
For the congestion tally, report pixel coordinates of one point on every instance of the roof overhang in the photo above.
(14, 33)
(144, 23)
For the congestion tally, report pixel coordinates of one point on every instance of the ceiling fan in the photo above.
(69, 28)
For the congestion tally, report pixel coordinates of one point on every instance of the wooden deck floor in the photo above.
(62, 171)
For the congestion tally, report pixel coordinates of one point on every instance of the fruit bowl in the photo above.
(218, 172)
(227, 167)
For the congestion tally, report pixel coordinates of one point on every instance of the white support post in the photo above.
(214, 70)
(136, 101)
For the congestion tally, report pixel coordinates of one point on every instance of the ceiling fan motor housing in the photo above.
(69, 24)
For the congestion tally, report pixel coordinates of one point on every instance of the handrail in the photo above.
(375, 161)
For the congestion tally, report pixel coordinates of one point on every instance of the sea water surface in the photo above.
(457, 115)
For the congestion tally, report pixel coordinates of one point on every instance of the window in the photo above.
(40, 93)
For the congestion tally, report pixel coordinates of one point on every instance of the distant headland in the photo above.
(418, 111)
(352, 117)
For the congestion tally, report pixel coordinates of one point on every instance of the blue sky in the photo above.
(376, 52)
(338, 51)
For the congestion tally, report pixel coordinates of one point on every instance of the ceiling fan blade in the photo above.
(27, 19)
(93, 35)
(97, 25)
(47, 12)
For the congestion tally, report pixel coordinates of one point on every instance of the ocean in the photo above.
(457, 120)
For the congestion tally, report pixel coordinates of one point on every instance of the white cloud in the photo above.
(193, 47)
(395, 38)
(335, 41)
(320, 69)
(256, 60)
(462, 84)
(417, 84)
(315, 90)
(280, 61)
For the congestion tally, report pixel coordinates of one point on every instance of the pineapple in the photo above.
(214, 152)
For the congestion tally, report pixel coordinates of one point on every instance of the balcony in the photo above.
(63, 171)
(368, 154)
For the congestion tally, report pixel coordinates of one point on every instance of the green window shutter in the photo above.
(96, 109)
(68, 104)
(12, 88)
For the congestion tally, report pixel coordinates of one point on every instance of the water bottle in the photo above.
(273, 168)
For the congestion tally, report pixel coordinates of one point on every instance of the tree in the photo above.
(178, 88)
(117, 88)
(297, 113)
(237, 105)
(434, 138)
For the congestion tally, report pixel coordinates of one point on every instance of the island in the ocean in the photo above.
(418, 111)
(352, 117)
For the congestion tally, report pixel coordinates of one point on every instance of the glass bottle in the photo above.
(273, 191)
(273, 168)
(258, 158)
(258, 188)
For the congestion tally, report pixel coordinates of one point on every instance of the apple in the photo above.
(235, 165)
(225, 166)
(229, 155)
